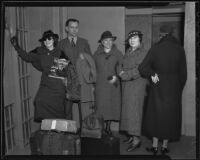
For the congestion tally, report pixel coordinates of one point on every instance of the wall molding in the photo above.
(154, 11)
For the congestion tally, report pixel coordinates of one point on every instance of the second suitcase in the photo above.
(107, 145)
(55, 143)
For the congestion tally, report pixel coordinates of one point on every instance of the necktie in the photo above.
(73, 43)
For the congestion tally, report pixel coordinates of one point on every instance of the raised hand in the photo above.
(14, 42)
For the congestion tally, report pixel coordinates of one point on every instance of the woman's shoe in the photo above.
(134, 146)
(164, 150)
(154, 150)
(128, 140)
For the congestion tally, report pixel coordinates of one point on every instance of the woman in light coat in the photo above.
(133, 91)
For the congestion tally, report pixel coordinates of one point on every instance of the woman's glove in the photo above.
(155, 78)
(14, 42)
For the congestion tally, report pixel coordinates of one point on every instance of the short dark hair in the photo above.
(55, 41)
(71, 20)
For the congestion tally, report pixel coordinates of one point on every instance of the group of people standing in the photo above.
(119, 80)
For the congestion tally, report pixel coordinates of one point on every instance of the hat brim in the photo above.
(140, 34)
(49, 35)
(113, 37)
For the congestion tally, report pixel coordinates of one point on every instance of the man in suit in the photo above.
(73, 46)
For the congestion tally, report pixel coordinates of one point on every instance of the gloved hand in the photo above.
(14, 42)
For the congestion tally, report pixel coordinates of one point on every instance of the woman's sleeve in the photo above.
(145, 68)
(119, 63)
(30, 57)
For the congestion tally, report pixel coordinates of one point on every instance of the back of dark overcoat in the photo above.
(163, 114)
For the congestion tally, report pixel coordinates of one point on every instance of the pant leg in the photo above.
(68, 109)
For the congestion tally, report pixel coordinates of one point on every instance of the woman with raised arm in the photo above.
(49, 100)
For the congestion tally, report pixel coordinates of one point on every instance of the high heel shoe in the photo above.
(133, 146)
(154, 150)
(128, 140)
(164, 150)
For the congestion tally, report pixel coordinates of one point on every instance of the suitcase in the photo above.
(35, 142)
(107, 145)
(93, 126)
(59, 125)
(43, 142)
(55, 143)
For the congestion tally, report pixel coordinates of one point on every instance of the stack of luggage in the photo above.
(61, 137)
(56, 137)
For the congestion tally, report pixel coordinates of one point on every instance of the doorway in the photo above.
(176, 20)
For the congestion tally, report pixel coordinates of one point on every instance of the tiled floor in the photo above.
(184, 149)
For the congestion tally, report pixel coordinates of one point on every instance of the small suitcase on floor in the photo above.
(107, 145)
(55, 143)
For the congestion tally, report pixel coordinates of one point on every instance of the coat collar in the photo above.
(100, 50)
(129, 52)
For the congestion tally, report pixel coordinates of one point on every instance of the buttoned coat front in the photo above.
(108, 96)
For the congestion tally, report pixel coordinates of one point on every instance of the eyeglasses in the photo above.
(48, 38)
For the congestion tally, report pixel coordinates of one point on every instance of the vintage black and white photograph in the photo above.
(115, 79)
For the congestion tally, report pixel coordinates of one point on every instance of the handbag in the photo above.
(93, 125)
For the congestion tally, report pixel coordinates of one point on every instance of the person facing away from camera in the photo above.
(133, 90)
(49, 100)
(73, 46)
(108, 87)
(165, 65)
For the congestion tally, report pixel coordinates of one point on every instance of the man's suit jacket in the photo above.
(73, 53)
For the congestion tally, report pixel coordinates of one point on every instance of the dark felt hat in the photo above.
(134, 33)
(166, 29)
(107, 34)
(48, 34)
